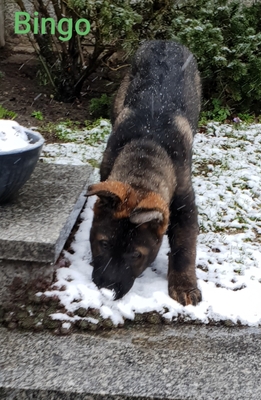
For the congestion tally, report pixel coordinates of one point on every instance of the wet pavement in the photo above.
(160, 362)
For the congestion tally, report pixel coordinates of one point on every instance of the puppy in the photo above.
(145, 189)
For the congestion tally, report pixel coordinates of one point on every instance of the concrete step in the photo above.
(177, 363)
(35, 225)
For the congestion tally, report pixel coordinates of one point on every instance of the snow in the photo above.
(227, 182)
(12, 136)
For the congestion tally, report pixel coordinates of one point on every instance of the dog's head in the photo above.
(126, 234)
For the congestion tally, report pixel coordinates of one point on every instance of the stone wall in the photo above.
(18, 43)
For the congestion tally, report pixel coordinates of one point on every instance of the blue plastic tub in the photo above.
(16, 166)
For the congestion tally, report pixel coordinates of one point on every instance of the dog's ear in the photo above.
(152, 208)
(114, 194)
(106, 196)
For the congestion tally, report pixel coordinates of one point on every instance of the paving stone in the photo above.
(180, 362)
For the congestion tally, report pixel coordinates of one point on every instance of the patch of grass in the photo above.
(241, 219)
(69, 131)
(238, 271)
(96, 137)
(57, 130)
(6, 114)
(37, 115)
(247, 118)
(70, 124)
(218, 228)
(64, 130)
(63, 134)
(205, 166)
(94, 163)
(93, 124)
(97, 133)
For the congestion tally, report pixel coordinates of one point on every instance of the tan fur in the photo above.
(153, 201)
(198, 87)
(101, 236)
(124, 114)
(120, 97)
(185, 183)
(184, 128)
(143, 250)
(122, 191)
(192, 80)
(130, 200)
(151, 179)
(146, 186)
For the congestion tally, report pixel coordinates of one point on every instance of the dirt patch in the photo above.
(22, 91)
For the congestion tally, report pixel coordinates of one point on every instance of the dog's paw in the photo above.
(185, 297)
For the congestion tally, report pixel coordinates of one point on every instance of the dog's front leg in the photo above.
(182, 232)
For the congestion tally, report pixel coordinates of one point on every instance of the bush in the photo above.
(224, 36)
(226, 39)
(100, 108)
(117, 24)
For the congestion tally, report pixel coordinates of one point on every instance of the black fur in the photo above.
(157, 113)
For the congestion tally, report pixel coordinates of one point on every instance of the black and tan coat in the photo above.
(145, 189)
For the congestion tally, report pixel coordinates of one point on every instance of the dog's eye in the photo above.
(104, 244)
(136, 255)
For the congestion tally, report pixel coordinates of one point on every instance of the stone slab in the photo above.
(35, 225)
(176, 363)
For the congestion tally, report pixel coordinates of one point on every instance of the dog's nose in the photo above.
(100, 282)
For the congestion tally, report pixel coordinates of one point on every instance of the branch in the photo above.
(22, 7)
(116, 69)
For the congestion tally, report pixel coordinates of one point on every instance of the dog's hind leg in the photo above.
(182, 233)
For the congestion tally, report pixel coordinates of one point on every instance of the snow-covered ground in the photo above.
(227, 182)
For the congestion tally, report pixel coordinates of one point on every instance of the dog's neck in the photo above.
(145, 166)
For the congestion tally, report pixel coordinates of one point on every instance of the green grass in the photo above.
(218, 113)
(94, 163)
(37, 115)
(70, 131)
(6, 114)
(93, 124)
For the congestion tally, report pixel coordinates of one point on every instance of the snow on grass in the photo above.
(87, 146)
(227, 182)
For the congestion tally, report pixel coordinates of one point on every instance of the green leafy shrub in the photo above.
(114, 25)
(100, 107)
(247, 118)
(226, 39)
(216, 112)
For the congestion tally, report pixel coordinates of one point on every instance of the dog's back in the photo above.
(160, 100)
(164, 81)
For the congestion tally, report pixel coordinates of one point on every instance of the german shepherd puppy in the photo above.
(145, 189)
